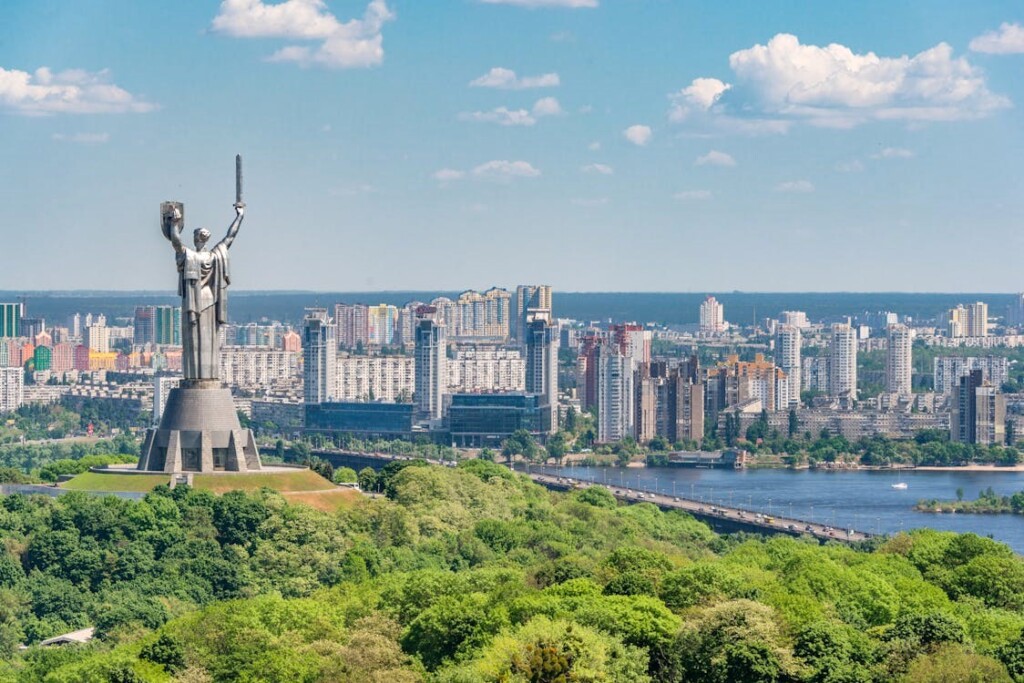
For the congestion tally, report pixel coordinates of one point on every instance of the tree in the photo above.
(556, 446)
(794, 423)
(345, 475)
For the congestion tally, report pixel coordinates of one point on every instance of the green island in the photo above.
(474, 574)
(987, 502)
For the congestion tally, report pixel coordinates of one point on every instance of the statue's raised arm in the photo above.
(235, 225)
(172, 221)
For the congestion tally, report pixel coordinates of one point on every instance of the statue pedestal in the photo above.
(199, 432)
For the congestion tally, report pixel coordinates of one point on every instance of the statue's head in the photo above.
(201, 236)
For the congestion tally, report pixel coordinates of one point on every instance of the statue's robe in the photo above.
(202, 284)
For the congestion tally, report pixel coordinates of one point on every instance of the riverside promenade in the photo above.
(720, 518)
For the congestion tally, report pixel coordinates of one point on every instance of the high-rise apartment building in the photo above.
(12, 389)
(381, 321)
(788, 342)
(712, 317)
(10, 320)
(527, 298)
(842, 362)
(633, 340)
(1015, 311)
(162, 385)
(484, 315)
(733, 382)
(968, 321)
(899, 360)
(949, 369)
(797, 319)
(431, 369)
(63, 358)
(75, 326)
(615, 396)
(979, 412)
(97, 338)
(145, 325)
(167, 328)
(353, 321)
(320, 354)
(542, 366)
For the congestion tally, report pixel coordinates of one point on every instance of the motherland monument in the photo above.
(199, 430)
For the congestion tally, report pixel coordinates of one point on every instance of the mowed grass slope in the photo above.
(96, 481)
(299, 480)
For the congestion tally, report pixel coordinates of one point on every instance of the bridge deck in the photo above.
(736, 517)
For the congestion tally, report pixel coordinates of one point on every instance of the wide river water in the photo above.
(863, 500)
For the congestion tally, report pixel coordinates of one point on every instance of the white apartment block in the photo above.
(842, 361)
(712, 317)
(899, 360)
(253, 367)
(788, 342)
(615, 396)
(949, 369)
(12, 389)
(376, 378)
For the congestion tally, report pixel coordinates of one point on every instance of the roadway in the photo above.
(735, 517)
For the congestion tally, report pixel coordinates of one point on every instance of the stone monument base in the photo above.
(200, 432)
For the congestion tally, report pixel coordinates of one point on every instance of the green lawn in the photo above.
(299, 480)
(95, 481)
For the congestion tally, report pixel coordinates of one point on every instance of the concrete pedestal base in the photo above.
(199, 432)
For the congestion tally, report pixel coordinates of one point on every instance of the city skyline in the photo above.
(592, 145)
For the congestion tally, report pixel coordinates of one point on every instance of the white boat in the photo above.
(901, 485)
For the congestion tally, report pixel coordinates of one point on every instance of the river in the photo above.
(862, 500)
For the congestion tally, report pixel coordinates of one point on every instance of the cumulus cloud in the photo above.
(700, 95)
(82, 138)
(715, 158)
(342, 45)
(502, 116)
(506, 79)
(795, 186)
(571, 4)
(446, 175)
(893, 153)
(500, 169)
(854, 166)
(601, 169)
(638, 135)
(547, 106)
(693, 195)
(65, 92)
(1009, 39)
(785, 83)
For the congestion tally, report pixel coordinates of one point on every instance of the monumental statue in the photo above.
(199, 430)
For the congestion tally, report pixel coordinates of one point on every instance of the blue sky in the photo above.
(596, 145)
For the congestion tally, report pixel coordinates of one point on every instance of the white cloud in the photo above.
(715, 158)
(502, 116)
(602, 169)
(701, 94)
(506, 79)
(446, 175)
(571, 4)
(692, 195)
(547, 106)
(1008, 40)
(784, 83)
(638, 135)
(854, 166)
(500, 169)
(82, 138)
(893, 153)
(355, 43)
(579, 201)
(796, 186)
(66, 92)
(594, 146)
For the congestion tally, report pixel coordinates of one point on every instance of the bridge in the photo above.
(718, 517)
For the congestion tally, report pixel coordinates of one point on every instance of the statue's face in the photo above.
(201, 237)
